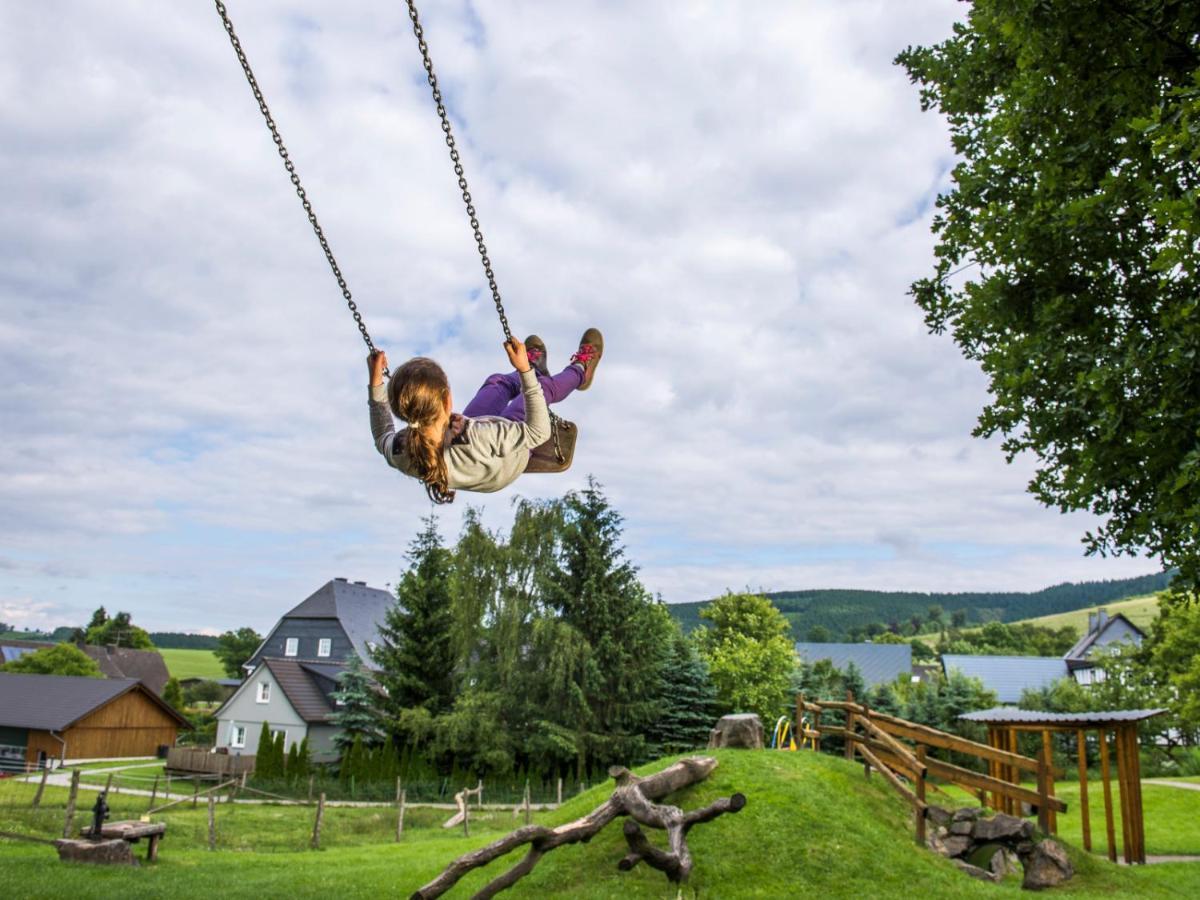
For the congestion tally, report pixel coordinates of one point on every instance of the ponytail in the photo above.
(417, 394)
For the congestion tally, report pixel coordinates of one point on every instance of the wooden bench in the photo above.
(132, 832)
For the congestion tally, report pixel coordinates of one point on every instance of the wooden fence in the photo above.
(190, 760)
(899, 750)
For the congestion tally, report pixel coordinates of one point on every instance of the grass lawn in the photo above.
(813, 826)
(192, 664)
(1141, 611)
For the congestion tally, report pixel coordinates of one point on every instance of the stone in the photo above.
(975, 871)
(742, 730)
(1047, 866)
(966, 814)
(957, 845)
(961, 827)
(938, 816)
(934, 843)
(1001, 827)
(1004, 864)
(112, 853)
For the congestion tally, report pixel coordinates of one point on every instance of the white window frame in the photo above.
(291, 646)
(324, 646)
(235, 732)
(264, 692)
(275, 732)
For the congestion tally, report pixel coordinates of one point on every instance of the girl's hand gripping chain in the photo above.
(517, 355)
(376, 363)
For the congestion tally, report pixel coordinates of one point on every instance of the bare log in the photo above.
(632, 797)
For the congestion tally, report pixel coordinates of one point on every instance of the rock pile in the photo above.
(989, 848)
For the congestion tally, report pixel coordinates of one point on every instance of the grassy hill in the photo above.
(813, 827)
(839, 610)
(1141, 611)
(192, 664)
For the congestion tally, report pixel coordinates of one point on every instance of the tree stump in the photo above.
(740, 730)
(633, 797)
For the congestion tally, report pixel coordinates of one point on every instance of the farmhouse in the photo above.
(48, 717)
(146, 666)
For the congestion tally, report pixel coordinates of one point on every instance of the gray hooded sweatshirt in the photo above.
(487, 455)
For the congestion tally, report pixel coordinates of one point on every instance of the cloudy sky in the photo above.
(738, 193)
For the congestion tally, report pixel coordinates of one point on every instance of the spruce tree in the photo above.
(688, 701)
(303, 760)
(292, 766)
(356, 716)
(264, 757)
(416, 654)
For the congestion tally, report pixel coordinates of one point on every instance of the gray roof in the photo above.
(879, 663)
(55, 702)
(146, 666)
(357, 607)
(1008, 676)
(1084, 644)
(1005, 714)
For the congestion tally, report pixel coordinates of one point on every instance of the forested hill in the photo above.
(840, 610)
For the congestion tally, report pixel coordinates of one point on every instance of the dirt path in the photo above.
(1183, 785)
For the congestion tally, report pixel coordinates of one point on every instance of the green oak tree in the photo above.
(1075, 126)
(61, 659)
(234, 648)
(750, 658)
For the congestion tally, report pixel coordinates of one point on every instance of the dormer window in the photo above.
(324, 646)
(264, 692)
(291, 646)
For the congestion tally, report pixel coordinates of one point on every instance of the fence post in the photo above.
(108, 784)
(70, 818)
(310, 787)
(37, 798)
(850, 718)
(167, 795)
(316, 835)
(466, 811)
(153, 793)
(817, 728)
(212, 822)
(920, 785)
(560, 792)
(400, 819)
(195, 793)
(1043, 785)
(528, 814)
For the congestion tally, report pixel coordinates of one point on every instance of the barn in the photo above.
(56, 717)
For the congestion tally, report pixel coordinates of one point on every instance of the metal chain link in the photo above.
(295, 178)
(430, 77)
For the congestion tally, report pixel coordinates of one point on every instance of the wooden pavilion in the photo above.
(1004, 724)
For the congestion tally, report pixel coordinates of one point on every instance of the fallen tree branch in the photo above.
(632, 797)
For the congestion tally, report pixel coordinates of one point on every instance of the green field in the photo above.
(1141, 611)
(813, 826)
(192, 664)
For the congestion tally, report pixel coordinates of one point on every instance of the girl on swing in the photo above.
(487, 447)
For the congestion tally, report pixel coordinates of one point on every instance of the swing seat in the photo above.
(543, 460)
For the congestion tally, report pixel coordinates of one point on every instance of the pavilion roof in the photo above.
(1005, 715)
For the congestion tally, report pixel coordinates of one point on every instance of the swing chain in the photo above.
(458, 167)
(294, 177)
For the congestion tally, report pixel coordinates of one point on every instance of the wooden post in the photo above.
(466, 811)
(528, 812)
(919, 812)
(310, 788)
(479, 797)
(1108, 809)
(108, 783)
(560, 792)
(167, 795)
(37, 798)
(212, 822)
(1084, 820)
(849, 749)
(1048, 750)
(1043, 788)
(71, 798)
(400, 817)
(316, 835)
(798, 731)
(195, 793)
(1123, 788)
(153, 793)
(1135, 774)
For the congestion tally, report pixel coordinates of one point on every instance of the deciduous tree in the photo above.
(61, 659)
(234, 649)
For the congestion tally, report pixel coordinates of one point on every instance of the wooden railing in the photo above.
(191, 759)
(899, 751)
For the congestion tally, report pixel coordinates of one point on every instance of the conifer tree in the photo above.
(356, 715)
(292, 766)
(688, 701)
(303, 759)
(416, 654)
(264, 757)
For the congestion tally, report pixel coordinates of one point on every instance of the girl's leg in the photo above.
(494, 395)
(555, 388)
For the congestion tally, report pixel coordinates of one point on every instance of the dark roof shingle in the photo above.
(55, 702)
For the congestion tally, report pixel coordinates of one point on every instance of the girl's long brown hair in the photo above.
(417, 394)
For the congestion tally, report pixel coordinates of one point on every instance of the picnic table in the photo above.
(132, 831)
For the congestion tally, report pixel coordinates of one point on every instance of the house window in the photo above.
(291, 646)
(276, 733)
(324, 647)
(264, 692)
(237, 735)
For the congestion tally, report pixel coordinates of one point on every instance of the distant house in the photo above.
(1008, 676)
(878, 663)
(146, 666)
(340, 617)
(292, 697)
(1104, 634)
(48, 717)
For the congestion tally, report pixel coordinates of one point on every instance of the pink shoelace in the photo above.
(584, 354)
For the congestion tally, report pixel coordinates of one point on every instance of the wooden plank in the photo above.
(891, 778)
(851, 715)
(1085, 820)
(919, 814)
(1043, 785)
(934, 738)
(1137, 829)
(1048, 750)
(968, 779)
(1123, 788)
(1108, 807)
(898, 749)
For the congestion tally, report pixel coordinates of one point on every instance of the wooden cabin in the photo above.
(56, 717)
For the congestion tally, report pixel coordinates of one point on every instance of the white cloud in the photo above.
(738, 194)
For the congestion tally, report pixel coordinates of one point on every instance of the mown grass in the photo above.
(1141, 611)
(192, 664)
(813, 826)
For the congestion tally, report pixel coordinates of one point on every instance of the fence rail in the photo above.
(189, 760)
(878, 739)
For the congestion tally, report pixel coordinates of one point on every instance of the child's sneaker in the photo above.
(591, 348)
(536, 351)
